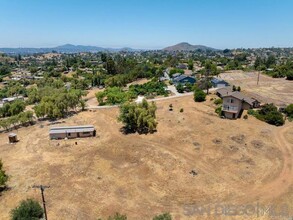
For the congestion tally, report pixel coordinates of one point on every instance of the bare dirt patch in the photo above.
(270, 90)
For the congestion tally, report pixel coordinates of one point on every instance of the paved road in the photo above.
(171, 88)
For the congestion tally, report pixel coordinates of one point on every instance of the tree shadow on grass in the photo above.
(126, 131)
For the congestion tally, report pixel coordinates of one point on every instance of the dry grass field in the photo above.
(235, 162)
(278, 91)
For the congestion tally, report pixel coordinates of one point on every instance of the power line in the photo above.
(42, 188)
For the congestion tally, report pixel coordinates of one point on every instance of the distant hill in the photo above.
(67, 48)
(187, 47)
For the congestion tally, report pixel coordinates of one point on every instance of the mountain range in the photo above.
(67, 48)
(70, 48)
(184, 46)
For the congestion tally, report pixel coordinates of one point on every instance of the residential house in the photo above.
(183, 79)
(218, 82)
(235, 102)
(182, 66)
(72, 132)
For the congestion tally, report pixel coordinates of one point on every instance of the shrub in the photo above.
(180, 88)
(28, 209)
(199, 96)
(181, 110)
(274, 118)
(218, 101)
(289, 111)
(270, 114)
(165, 216)
(251, 112)
(219, 110)
(245, 117)
(118, 216)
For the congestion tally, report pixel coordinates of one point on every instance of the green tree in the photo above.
(139, 118)
(40, 110)
(110, 66)
(180, 88)
(5, 110)
(270, 114)
(112, 96)
(27, 210)
(199, 95)
(82, 104)
(14, 120)
(25, 117)
(274, 118)
(3, 176)
(4, 70)
(4, 123)
(104, 57)
(16, 107)
(271, 61)
(258, 63)
(289, 75)
(190, 65)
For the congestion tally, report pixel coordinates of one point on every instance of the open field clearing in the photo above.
(236, 162)
(276, 90)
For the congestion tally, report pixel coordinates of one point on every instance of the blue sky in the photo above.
(146, 24)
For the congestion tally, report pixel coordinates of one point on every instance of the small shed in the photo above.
(12, 138)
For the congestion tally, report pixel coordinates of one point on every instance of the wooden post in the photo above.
(42, 188)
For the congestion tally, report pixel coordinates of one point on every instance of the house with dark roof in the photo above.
(219, 83)
(223, 91)
(235, 102)
(183, 79)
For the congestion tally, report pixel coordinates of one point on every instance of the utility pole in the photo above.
(257, 78)
(42, 188)
(207, 80)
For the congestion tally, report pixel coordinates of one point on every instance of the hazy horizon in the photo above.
(146, 24)
(106, 47)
